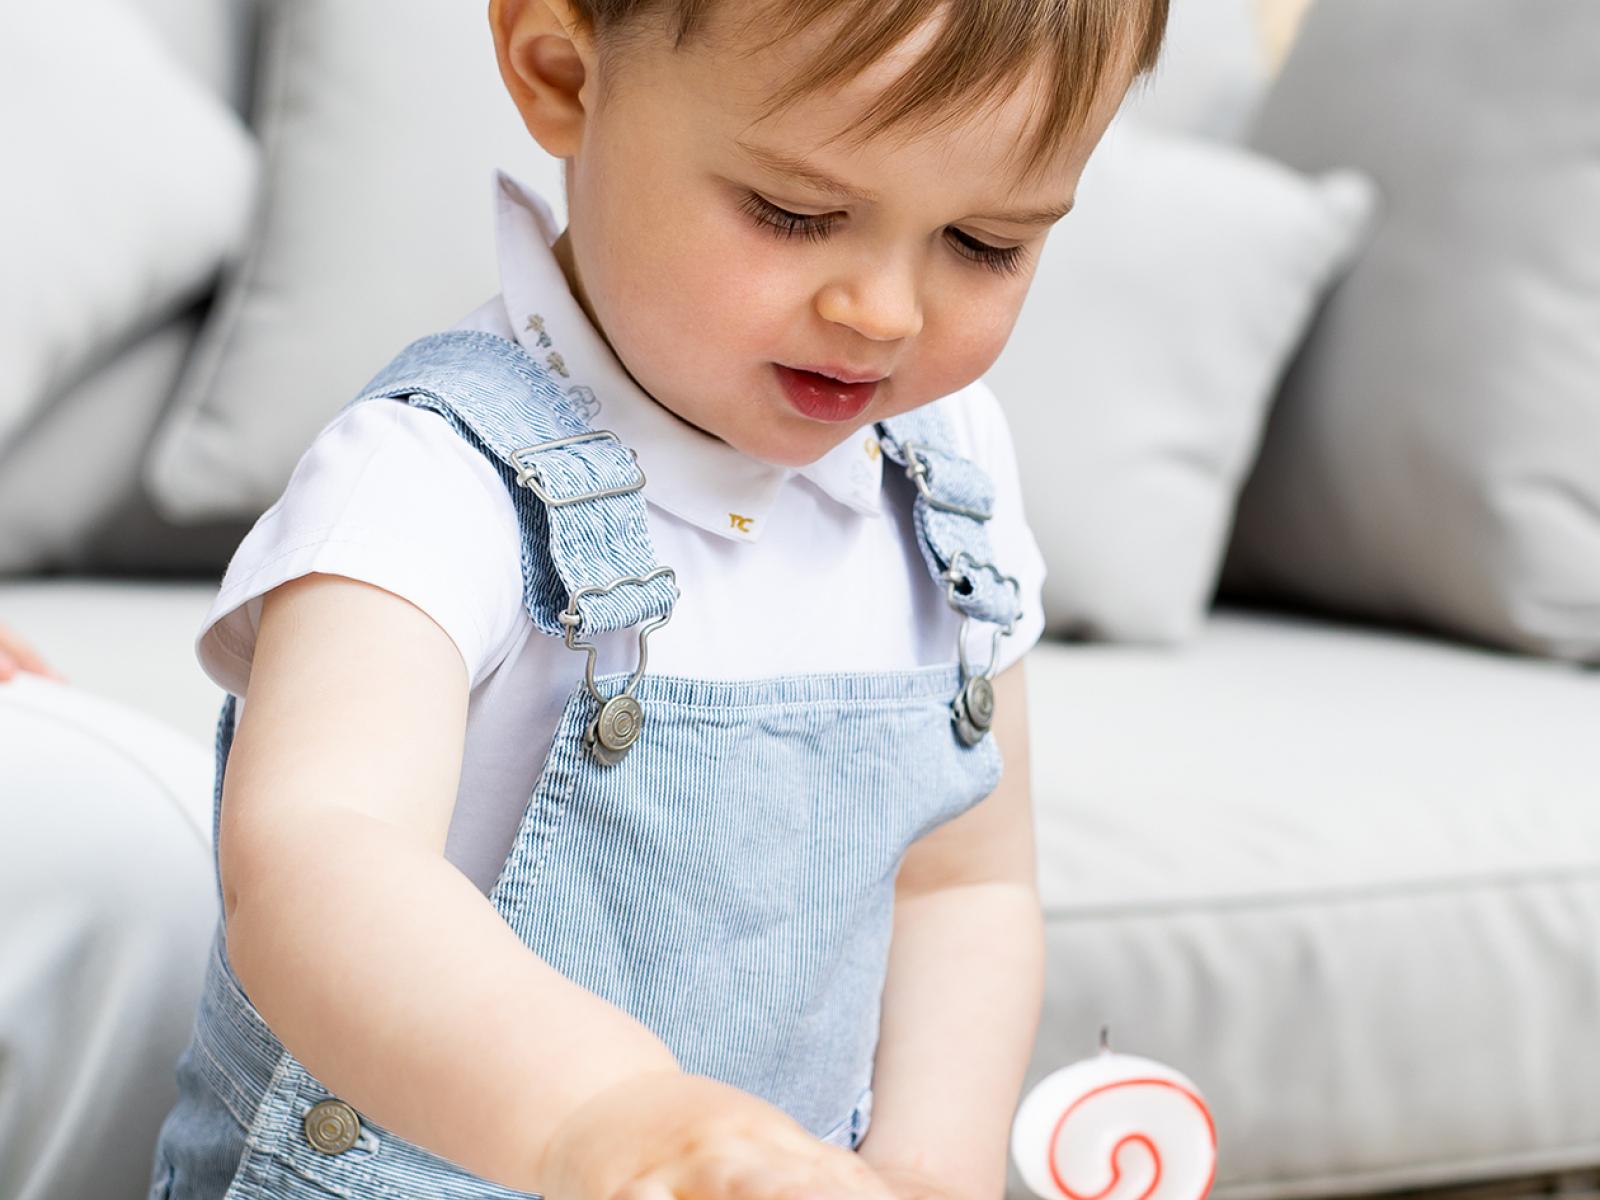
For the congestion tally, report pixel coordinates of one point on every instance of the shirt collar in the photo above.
(689, 473)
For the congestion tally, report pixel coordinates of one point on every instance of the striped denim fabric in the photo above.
(729, 882)
(515, 404)
(954, 499)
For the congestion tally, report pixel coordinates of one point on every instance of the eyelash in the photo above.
(1007, 260)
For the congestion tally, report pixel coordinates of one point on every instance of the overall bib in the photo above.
(716, 857)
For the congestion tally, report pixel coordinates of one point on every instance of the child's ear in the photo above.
(546, 57)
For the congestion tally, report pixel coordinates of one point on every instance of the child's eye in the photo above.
(1005, 259)
(787, 224)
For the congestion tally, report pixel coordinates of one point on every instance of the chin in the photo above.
(802, 455)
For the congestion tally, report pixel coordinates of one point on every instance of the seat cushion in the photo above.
(1347, 880)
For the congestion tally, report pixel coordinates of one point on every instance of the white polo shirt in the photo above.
(782, 570)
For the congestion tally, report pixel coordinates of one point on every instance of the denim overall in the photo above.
(716, 857)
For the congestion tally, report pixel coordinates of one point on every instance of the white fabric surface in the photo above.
(127, 183)
(392, 496)
(1346, 880)
(1140, 371)
(106, 907)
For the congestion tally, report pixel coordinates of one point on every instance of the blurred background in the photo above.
(1307, 401)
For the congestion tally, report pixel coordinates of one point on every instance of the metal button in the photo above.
(616, 728)
(332, 1127)
(973, 710)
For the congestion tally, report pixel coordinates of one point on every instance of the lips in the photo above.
(822, 397)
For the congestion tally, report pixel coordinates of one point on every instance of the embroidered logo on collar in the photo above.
(742, 524)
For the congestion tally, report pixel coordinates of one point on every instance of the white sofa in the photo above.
(1346, 876)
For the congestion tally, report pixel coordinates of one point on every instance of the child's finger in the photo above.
(18, 655)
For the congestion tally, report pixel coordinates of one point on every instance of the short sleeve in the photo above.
(388, 494)
(979, 425)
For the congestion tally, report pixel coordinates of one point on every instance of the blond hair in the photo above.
(982, 51)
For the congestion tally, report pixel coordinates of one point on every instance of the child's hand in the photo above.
(672, 1136)
(16, 655)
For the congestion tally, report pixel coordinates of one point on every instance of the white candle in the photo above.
(1115, 1127)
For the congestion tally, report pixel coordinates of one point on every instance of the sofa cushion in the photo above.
(119, 207)
(215, 39)
(1433, 454)
(1346, 880)
(357, 250)
(1138, 376)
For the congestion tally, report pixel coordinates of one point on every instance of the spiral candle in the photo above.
(1115, 1127)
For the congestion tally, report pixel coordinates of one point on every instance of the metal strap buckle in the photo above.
(953, 576)
(527, 473)
(571, 618)
(917, 469)
(620, 720)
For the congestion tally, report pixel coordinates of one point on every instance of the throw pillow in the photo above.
(376, 227)
(127, 184)
(1139, 374)
(1434, 457)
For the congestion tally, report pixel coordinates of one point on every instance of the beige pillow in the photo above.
(376, 227)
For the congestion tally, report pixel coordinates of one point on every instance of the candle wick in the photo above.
(1105, 1039)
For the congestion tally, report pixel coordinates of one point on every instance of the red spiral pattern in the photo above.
(1155, 1153)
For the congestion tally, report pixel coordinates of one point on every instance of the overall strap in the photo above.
(576, 489)
(955, 498)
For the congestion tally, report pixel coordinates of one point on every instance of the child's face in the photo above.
(704, 304)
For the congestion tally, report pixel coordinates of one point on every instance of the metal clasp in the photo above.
(620, 720)
(527, 473)
(972, 710)
(917, 470)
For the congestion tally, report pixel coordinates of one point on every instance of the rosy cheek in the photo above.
(963, 342)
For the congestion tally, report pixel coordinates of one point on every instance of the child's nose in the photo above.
(880, 302)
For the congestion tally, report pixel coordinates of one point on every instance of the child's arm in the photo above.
(961, 1003)
(377, 962)
(394, 980)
